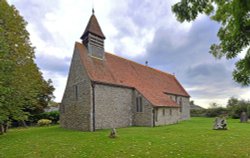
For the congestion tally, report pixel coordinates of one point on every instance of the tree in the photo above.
(236, 107)
(232, 102)
(191, 102)
(44, 96)
(21, 83)
(234, 33)
(214, 105)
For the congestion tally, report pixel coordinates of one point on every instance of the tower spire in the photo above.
(93, 38)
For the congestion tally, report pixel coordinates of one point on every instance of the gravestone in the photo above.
(243, 117)
(220, 123)
(112, 133)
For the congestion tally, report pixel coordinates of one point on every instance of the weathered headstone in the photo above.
(220, 123)
(243, 117)
(113, 133)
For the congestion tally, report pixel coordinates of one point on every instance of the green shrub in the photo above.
(44, 122)
(198, 112)
(236, 107)
(215, 112)
(53, 116)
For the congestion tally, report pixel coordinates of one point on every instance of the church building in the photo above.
(107, 91)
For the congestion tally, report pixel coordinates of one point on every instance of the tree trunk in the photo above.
(1, 129)
(24, 124)
(5, 127)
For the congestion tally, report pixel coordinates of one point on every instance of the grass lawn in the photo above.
(192, 138)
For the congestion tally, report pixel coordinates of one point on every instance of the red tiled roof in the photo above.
(151, 83)
(93, 27)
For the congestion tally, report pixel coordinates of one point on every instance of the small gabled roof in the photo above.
(93, 27)
(153, 84)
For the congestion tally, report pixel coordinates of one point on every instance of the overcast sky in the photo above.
(141, 31)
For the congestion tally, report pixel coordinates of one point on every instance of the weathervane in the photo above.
(93, 6)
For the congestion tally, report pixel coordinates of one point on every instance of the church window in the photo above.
(138, 104)
(156, 115)
(180, 103)
(163, 111)
(170, 112)
(76, 92)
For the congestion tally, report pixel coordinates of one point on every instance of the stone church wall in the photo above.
(113, 106)
(144, 118)
(165, 116)
(185, 108)
(75, 110)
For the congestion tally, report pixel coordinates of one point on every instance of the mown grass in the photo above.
(192, 138)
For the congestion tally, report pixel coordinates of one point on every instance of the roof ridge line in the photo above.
(151, 70)
(76, 43)
(142, 65)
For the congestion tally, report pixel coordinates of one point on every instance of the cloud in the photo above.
(137, 30)
(54, 26)
(212, 79)
(137, 23)
(185, 54)
(35, 12)
(51, 63)
(173, 46)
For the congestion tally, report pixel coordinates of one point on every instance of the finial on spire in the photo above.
(93, 6)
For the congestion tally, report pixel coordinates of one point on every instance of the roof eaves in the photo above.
(111, 84)
(82, 61)
(181, 86)
(167, 106)
(177, 94)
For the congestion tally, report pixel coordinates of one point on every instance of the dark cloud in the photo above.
(209, 73)
(54, 64)
(184, 53)
(210, 80)
(187, 55)
(174, 47)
